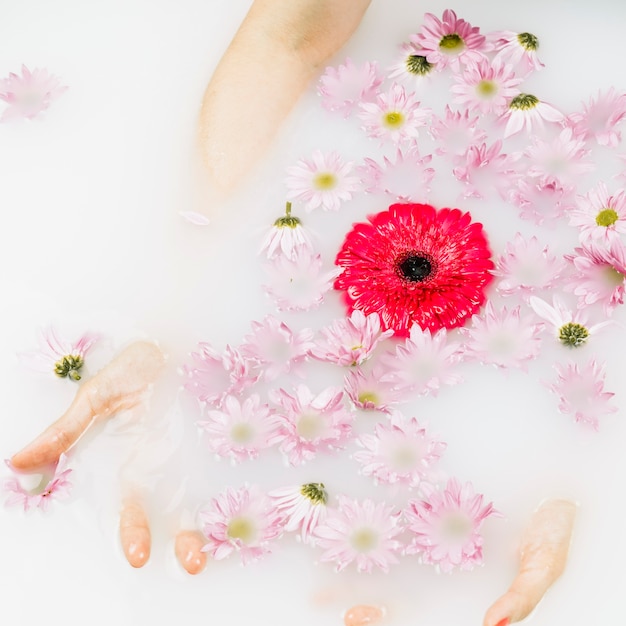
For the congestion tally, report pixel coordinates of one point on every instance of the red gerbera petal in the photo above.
(415, 264)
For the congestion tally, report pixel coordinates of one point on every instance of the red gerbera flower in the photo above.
(416, 264)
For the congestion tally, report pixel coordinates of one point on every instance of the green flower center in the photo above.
(486, 88)
(240, 528)
(368, 396)
(528, 41)
(393, 119)
(315, 492)
(324, 181)
(68, 366)
(418, 65)
(364, 539)
(572, 334)
(607, 217)
(524, 102)
(451, 43)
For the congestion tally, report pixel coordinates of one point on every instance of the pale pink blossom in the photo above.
(350, 340)
(360, 532)
(29, 94)
(395, 115)
(243, 520)
(455, 133)
(503, 338)
(239, 430)
(323, 181)
(58, 355)
(486, 86)
(569, 327)
(53, 485)
(581, 392)
(484, 168)
(299, 283)
(445, 526)
(406, 179)
(450, 41)
(370, 391)
(518, 49)
(212, 375)
(599, 215)
(411, 67)
(275, 348)
(542, 199)
(310, 423)
(599, 274)
(527, 112)
(600, 117)
(400, 451)
(527, 266)
(343, 88)
(423, 362)
(303, 506)
(286, 237)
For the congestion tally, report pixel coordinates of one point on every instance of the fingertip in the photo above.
(188, 548)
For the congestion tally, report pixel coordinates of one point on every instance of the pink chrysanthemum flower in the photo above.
(455, 133)
(345, 87)
(309, 423)
(371, 391)
(304, 507)
(360, 532)
(503, 338)
(239, 430)
(528, 112)
(599, 274)
(424, 362)
(350, 340)
(411, 66)
(57, 354)
(527, 266)
(285, 237)
(518, 49)
(275, 347)
(241, 520)
(599, 118)
(446, 526)
(407, 179)
(563, 158)
(394, 115)
(450, 41)
(487, 86)
(324, 181)
(600, 215)
(541, 200)
(211, 375)
(571, 328)
(484, 168)
(54, 485)
(29, 94)
(581, 392)
(416, 264)
(400, 451)
(298, 283)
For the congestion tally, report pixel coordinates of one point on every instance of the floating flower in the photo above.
(29, 94)
(528, 112)
(51, 487)
(309, 423)
(394, 115)
(241, 520)
(275, 348)
(503, 338)
(517, 49)
(411, 66)
(57, 354)
(542, 199)
(345, 87)
(351, 340)
(600, 215)
(372, 390)
(323, 181)
(446, 526)
(360, 532)
(400, 451)
(239, 430)
(450, 41)
(581, 392)
(286, 236)
(415, 264)
(484, 168)
(599, 118)
(455, 133)
(527, 266)
(304, 507)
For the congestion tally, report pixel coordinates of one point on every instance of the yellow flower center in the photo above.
(456, 526)
(368, 396)
(324, 181)
(607, 217)
(364, 539)
(451, 43)
(393, 119)
(309, 426)
(486, 88)
(240, 528)
(242, 433)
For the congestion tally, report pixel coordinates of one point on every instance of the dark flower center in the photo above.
(415, 267)
(419, 65)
